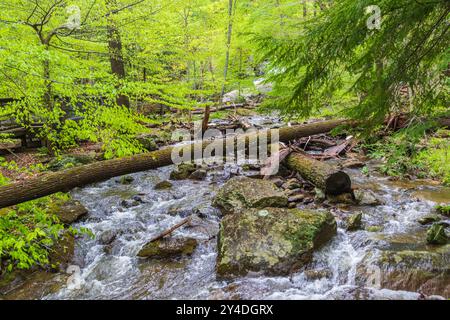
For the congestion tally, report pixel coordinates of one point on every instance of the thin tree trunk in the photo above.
(116, 51)
(229, 37)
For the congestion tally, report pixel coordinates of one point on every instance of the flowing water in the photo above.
(107, 266)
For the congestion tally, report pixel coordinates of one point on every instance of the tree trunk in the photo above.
(69, 179)
(324, 176)
(227, 55)
(115, 51)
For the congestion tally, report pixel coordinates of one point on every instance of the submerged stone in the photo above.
(241, 193)
(272, 241)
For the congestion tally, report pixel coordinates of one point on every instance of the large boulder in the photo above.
(242, 193)
(423, 271)
(272, 241)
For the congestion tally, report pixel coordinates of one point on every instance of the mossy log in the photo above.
(323, 175)
(69, 179)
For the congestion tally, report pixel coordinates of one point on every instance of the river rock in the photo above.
(126, 180)
(183, 171)
(429, 219)
(272, 241)
(199, 175)
(163, 185)
(354, 222)
(437, 235)
(168, 248)
(68, 212)
(427, 272)
(241, 193)
(366, 198)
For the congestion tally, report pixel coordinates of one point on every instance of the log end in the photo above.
(338, 183)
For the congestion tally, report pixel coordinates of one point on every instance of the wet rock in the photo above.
(168, 248)
(296, 198)
(374, 228)
(183, 171)
(126, 180)
(163, 185)
(68, 212)
(31, 284)
(345, 198)
(199, 175)
(366, 198)
(429, 219)
(241, 193)
(320, 195)
(437, 235)
(278, 182)
(353, 164)
(62, 252)
(272, 241)
(318, 274)
(416, 271)
(127, 204)
(292, 184)
(354, 222)
(107, 237)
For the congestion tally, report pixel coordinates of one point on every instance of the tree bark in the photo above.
(69, 179)
(116, 51)
(321, 174)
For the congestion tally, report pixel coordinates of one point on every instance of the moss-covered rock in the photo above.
(163, 185)
(68, 211)
(168, 248)
(429, 219)
(242, 193)
(354, 222)
(126, 180)
(367, 198)
(183, 171)
(272, 241)
(416, 271)
(437, 235)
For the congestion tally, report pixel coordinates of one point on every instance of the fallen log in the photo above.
(321, 174)
(171, 230)
(64, 181)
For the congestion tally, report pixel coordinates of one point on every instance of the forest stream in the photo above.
(107, 266)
